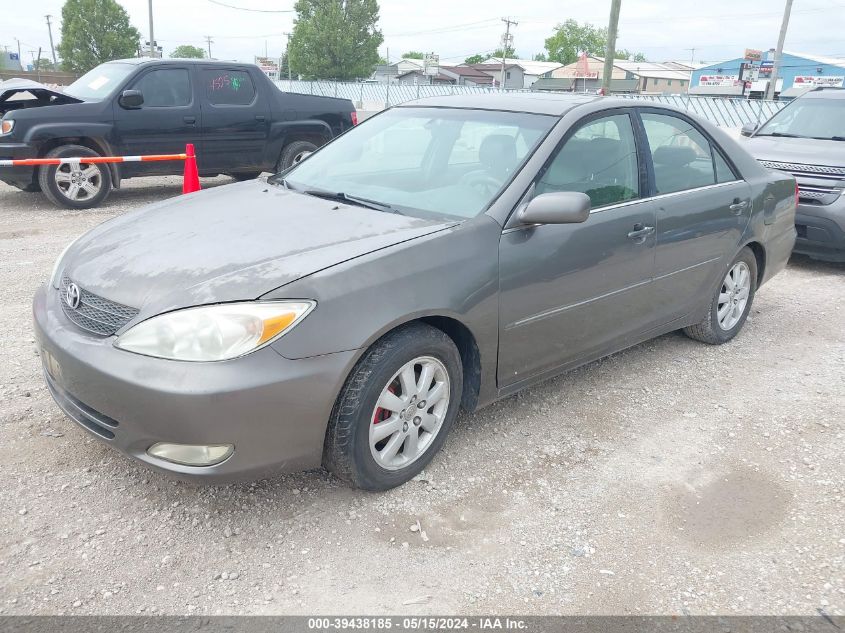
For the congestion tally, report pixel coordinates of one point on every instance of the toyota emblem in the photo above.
(72, 297)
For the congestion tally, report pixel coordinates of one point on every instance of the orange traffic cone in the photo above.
(191, 179)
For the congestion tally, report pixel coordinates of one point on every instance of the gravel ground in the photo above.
(672, 478)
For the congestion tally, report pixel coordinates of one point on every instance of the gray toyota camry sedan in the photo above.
(442, 255)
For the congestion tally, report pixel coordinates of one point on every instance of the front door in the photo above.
(235, 122)
(573, 291)
(703, 207)
(168, 120)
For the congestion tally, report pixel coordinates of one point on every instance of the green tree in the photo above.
(511, 53)
(413, 55)
(93, 32)
(186, 51)
(540, 57)
(44, 64)
(475, 59)
(335, 39)
(570, 39)
(626, 54)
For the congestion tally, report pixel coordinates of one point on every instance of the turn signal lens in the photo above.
(211, 333)
(6, 126)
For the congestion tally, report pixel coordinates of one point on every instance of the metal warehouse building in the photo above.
(749, 76)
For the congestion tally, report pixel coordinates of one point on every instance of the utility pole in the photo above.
(773, 82)
(152, 37)
(610, 53)
(52, 48)
(20, 59)
(507, 38)
(287, 54)
(209, 42)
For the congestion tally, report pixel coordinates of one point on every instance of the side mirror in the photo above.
(562, 207)
(131, 99)
(748, 129)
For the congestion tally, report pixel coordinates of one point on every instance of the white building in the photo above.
(531, 70)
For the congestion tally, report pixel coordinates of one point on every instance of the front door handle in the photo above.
(259, 117)
(189, 119)
(738, 206)
(640, 232)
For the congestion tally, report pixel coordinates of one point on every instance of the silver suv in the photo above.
(807, 140)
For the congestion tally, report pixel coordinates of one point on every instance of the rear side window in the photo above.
(681, 155)
(166, 87)
(599, 159)
(724, 173)
(228, 87)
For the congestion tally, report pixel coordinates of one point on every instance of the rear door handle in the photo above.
(189, 119)
(738, 206)
(640, 232)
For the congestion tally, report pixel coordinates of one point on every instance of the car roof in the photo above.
(141, 61)
(532, 102)
(827, 92)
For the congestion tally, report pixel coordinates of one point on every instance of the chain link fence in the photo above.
(371, 96)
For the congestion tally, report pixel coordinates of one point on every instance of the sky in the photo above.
(661, 29)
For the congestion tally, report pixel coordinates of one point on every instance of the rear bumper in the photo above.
(17, 176)
(821, 230)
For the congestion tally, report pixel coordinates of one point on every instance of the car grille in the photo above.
(95, 314)
(827, 182)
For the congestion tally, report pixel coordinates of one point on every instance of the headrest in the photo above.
(498, 152)
(674, 156)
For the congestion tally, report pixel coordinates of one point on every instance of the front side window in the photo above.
(681, 155)
(425, 161)
(166, 87)
(100, 82)
(228, 87)
(808, 118)
(599, 159)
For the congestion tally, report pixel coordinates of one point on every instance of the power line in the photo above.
(230, 6)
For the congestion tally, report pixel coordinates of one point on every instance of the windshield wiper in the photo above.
(340, 196)
(782, 134)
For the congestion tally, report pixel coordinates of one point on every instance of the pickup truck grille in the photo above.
(817, 184)
(94, 313)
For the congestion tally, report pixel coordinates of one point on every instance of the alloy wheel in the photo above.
(409, 413)
(78, 182)
(733, 296)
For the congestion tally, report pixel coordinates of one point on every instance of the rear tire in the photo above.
(356, 449)
(82, 188)
(295, 152)
(246, 175)
(727, 313)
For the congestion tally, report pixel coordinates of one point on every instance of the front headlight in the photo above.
(6, 126)
(217, 332)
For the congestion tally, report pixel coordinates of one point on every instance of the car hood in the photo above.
(231, 243)
(44, 95)
(806, 151)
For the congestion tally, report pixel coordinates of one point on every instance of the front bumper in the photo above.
(821, 230)
(22, 177)
(274, 410)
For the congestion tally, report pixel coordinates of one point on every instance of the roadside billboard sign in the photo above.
(834, 81)
(753, 55)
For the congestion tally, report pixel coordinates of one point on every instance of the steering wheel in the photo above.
(481, 181)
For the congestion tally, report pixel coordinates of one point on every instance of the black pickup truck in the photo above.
(239, 122)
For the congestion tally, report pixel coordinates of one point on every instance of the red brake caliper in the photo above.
(382, 414)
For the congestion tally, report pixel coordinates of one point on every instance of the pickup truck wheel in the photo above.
(295, 152)
(81, 186)
(246, 175)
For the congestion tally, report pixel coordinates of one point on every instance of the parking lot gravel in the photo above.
(672, 478)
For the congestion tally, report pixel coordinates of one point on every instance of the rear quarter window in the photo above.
(228, 87)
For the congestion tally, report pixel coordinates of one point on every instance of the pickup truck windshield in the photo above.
(808, 118)
(425, 161)
(100, 82)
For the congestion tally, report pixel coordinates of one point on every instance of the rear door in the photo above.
(572, 291)
(164, 124)
(702, 206)
(235, 121)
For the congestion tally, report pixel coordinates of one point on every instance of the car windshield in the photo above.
(424, 161)
(99, 83)
(808, 118)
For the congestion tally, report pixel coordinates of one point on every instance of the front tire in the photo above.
(395, 410)
(81, 186)
(731, 303)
